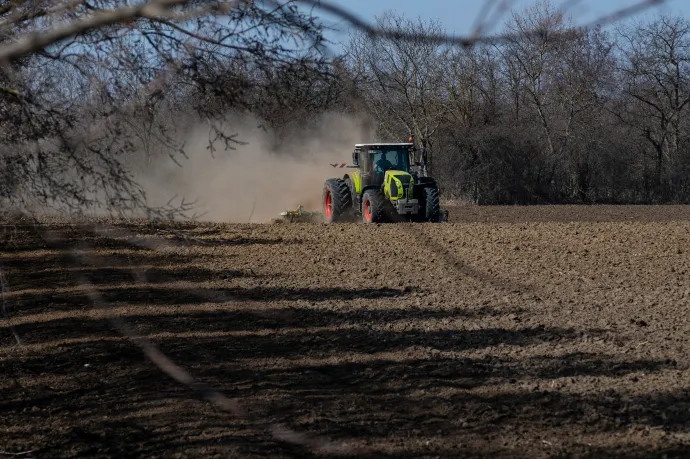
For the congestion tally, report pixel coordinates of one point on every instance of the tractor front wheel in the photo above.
(373, 206)
(337, 201)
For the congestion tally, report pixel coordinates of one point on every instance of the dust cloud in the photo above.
(255, 182)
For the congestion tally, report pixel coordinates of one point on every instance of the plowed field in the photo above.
(508, 332)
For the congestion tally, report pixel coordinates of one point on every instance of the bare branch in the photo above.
(442, 38)
(21, 453)
(152, 10)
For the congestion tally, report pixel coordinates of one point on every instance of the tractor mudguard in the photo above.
(356, 177)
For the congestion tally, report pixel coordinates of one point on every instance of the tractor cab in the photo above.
(374, 160)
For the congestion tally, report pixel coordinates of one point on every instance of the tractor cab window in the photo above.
(390, 159)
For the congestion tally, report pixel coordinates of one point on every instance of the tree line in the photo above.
(544, 112)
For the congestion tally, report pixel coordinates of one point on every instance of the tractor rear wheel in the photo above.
(337, 201)
(431, 206)
(373, 207)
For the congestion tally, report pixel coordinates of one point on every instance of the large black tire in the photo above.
(373, 207)
(337, 201)
(354, 199)
(431, 205)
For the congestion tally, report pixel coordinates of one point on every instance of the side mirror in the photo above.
(355, 158)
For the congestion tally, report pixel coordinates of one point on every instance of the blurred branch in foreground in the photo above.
(92, 91)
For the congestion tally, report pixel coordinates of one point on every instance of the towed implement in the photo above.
(385, 184)
(301, 216)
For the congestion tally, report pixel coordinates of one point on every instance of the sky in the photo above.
(458, 16)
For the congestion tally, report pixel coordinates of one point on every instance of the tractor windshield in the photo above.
(390, 159)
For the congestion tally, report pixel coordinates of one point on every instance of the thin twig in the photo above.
(152, 10)
(251, 214)
(442, 38)
(15, 18)
(161, 9)
(21, 453)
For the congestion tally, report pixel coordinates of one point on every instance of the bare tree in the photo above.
(535, 58)
(403, 79)
(655, 75)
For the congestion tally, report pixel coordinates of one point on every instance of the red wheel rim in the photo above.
(327, 205)
(367, 210)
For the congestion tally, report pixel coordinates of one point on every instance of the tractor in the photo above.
(386, 183)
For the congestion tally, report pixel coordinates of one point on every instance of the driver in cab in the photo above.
(383, 164)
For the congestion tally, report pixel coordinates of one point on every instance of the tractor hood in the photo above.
(398, 185)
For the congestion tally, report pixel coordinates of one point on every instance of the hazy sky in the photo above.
(458, 16)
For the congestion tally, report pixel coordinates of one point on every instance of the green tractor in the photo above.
(385, 184)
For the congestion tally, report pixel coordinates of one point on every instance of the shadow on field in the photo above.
(421, 401)
(635, 452)
(307, 330)
(302, 376)
(238, 241)
(395, 378)
(143, 296)
(121, 276)
(59, 261)
(33, 243)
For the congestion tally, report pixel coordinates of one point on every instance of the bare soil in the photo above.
(508, 332)
(569, 213)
